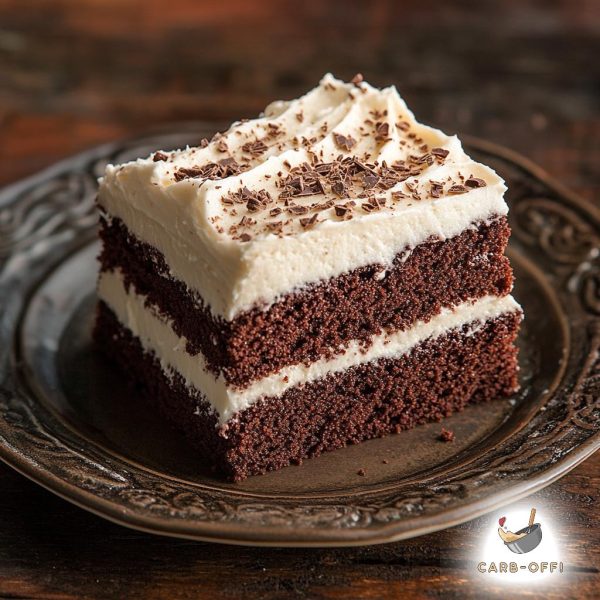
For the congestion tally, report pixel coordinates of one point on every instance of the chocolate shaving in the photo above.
(440, 153)
(274, 130)
(344, 142)
(275, 226)
(458, 189)
(338, 189)
(369, 206)
(254, 201)
(303, 180)
(357, 79)
(159, 156)
(224, 168)
(297, 210)
(191, 173)
(436, 189)
(324, 205)
(309, 221)
(345, 210)
(253, 205)
(246, 221)
(358, 166)
(382, 131)
(231, 164)
(255, 148)
(475, 182)
(421, 159)
(370, 180)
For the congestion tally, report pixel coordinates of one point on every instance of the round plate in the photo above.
(68, 422)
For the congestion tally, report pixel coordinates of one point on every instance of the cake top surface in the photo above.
(342, 152)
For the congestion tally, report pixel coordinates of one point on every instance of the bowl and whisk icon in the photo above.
(524, 540)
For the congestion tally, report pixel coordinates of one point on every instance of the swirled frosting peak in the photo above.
(342, 151)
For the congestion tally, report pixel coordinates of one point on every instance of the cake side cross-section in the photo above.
(292, 258)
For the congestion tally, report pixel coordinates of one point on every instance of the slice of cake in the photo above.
(330, 272)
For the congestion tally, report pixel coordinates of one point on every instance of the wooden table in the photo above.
(76, 73)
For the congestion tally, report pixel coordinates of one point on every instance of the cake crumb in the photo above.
(385, 461)
(361, 472)
(446, 435)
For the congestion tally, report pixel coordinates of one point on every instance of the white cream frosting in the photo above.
(156, 335)
(189, 224)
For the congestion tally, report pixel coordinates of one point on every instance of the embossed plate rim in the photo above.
(351, 524)
(423, 526)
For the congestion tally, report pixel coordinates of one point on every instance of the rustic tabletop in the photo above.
(76, 73)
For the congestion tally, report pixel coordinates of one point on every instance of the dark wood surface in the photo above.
(76, 73)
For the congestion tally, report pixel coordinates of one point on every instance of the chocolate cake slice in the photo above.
(330, 272)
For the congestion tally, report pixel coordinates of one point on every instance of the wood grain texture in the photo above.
(76, 73)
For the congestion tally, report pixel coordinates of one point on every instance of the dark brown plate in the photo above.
(67, 422)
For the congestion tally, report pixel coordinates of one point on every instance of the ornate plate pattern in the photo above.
(49, 219)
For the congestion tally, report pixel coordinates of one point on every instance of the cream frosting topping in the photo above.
(157, 336)
(337, 179)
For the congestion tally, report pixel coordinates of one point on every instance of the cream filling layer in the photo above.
(156, 335)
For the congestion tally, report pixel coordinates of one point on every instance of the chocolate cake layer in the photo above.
(438, 377)
(315, 322)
